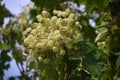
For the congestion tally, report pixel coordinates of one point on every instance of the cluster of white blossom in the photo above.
(52, 33)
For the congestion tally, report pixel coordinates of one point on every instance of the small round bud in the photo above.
(62, 52)
(55, 49)
(63, 22)
(101, 44)
(33, 32)
(71, 16)
(68, 45)
(34, 25)
(39, 17)
(32, 44)
(58, 23)
(39, 45)
(68, 40)
(38, 29)
(40, 58)
(55, 11)
(26, 42)
(67, 10)
(24, 22)
(24, 34)
(57, 32)
(79, 37)
(58, 36)
(59, 13)
(30, 37)
(50, 43)
(64, 14)
(76, 18)
(70, 22)
(54, 19)
(28, 29)
(45, 14)
(47, 61)
(77, 23)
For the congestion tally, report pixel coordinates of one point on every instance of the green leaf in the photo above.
(106, 74)
(4, 46)
(32, 65)
(104, 33)
(4, 56)
(49, 73)
(91, 64)
(95, 69)
(75, 57)
(118, 53)
(90, 5)
(118, 62)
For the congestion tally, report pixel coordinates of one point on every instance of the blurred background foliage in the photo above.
(98, 57)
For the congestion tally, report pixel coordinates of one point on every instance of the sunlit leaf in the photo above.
(102, 35)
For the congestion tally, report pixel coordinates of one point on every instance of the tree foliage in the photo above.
(95, 57)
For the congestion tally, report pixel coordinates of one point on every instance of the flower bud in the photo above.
(33, 32)
(62, 52)
(24, 22)
(57, 37)
(47, 61)
(50, 43)
(63, 22)
(26, 42)
(28, 30)
(45, 14)
(55, 11)
(39, 45)
(101, 44)
(39, 17)
(54, 19)
(55, 49)
(67, 10)
(40, 58)
(71, 16)
(64, 14)
(77, 23)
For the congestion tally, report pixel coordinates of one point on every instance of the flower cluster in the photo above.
(52, 33)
